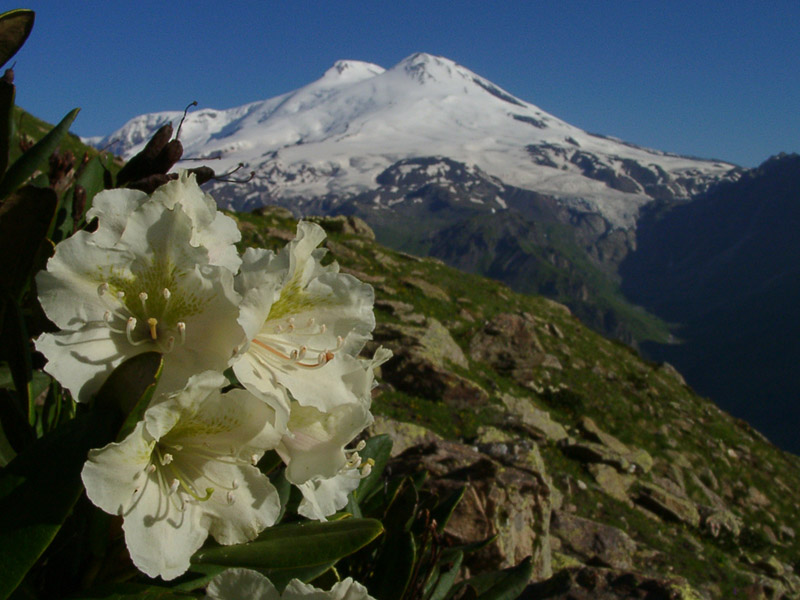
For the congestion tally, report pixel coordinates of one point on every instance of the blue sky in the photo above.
(709, 79)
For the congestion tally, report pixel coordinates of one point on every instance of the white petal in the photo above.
(314, 446)
(241, 584)
(162, 539)
(115, 475)
(323, 497)
(347, 589)
(210, 228)
(239, 515)
(82, 360)
(112, 209)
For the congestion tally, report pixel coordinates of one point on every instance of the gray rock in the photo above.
(666, 504)
(593, 543)
(535, 421)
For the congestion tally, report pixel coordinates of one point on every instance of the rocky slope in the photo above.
(609, 471)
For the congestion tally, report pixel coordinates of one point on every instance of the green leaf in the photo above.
(402, 508)
(447, 579)
(395, 567)
(295, 545)
(38, 489)
(280, 578)
(449, 553)
(444, 510)
(36, 156)
(15, 26)
(379, 449)
(507, 584)
(129, 388)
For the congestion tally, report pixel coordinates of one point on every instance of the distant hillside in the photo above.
(726, 269)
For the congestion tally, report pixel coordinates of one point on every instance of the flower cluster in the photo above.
(161, 272)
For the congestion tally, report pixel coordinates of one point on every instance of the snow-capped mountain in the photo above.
(360, 127)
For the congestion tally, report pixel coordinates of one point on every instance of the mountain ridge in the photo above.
(335, 134)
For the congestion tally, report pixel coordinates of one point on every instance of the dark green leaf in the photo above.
(449, 553)
(395, 567)
(129, 388)
(15, 423)
(38, 489)
(507, 584)
(402, 508)
(198, 576)
(447, 579)
(25, 219)
(15, 343)
(280, 578)
(133, 591)
(379, 449)
(15, 26)
(295, 545)
(444, 510)
(284, 489)
(7, 93)
(36, 156)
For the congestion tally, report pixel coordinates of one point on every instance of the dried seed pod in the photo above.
(169, 155)
(203, 174)
(150, 183)
(141, 165)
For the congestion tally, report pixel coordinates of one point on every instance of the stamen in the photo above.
(170, 344)
(153, 324)
(102, 289)
(151, 468)
(361, 445)
(310, 322)
(366, 468)
(323, 328)
(143, 298)
(339, 342)
(301, 355)
(167, 458)
(173, 487)
(253, 460)
(166, 293)
(230, 498)
(182, 330)
(129, 331)
(120, 295)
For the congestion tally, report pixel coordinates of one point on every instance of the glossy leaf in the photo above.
(15, 26)
(295, 545)
(38, 489)
(36, 156)
(447, 579)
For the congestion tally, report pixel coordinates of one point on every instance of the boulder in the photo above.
(593, 543)
(509, 344)
(510, 502)
(534, 421)
(666, 504)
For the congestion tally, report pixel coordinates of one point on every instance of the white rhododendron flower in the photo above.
(314, 447)
(210, 228)
(304, 322)
(187, 471)
(143, 281)
(240, 584)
